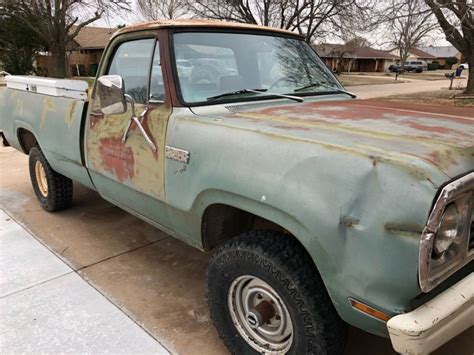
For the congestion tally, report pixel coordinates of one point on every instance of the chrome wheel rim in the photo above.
(260, 315)
(41, 179)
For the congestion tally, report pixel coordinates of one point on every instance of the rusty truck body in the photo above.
(321, 210)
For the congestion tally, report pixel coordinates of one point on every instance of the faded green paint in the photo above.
(56, 124)
(353, 183)
(357, 201)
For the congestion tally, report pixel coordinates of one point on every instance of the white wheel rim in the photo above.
(41, 179)
(269, 332)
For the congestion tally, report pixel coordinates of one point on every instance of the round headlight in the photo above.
(448, 230)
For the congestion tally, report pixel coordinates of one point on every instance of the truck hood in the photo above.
(420, 140)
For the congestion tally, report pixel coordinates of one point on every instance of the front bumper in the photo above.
(431, 325)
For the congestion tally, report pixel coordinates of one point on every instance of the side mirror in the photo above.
(111, 92)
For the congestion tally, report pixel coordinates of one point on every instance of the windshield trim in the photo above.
(263, 32)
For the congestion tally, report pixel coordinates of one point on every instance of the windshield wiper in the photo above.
(232, 93)
(333, 89)
(255, 91)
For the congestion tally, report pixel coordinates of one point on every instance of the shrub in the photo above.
(433, 66)
(451, 61)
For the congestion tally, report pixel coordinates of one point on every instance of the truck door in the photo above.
(130, 173)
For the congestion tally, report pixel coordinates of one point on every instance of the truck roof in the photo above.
(193, 23)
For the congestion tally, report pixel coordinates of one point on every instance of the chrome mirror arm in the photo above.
(145, 135)
(138, 121)
(130, 99)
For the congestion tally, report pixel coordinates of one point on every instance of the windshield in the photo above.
(223, 65)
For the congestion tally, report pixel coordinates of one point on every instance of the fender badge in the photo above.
(177, 154)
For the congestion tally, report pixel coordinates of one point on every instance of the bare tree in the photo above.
(162, 9)
(409, 22)
(56, 22)
(456, 19)
(310, 18)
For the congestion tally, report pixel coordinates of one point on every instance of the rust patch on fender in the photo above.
(117, 159)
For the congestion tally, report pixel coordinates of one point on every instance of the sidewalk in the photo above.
(46, 307)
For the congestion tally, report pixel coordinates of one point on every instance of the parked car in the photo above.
(463, 66)
(416, 66)
(320, 211)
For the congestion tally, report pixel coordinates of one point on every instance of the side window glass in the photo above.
(157, 85)
(132, 62)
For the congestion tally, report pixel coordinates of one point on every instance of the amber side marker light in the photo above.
(368, 310)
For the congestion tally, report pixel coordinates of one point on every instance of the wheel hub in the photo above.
(260, 315)
(41, 179)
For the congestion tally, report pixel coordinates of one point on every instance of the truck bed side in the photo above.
(56, 124)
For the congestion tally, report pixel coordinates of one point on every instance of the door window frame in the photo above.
(112, 48)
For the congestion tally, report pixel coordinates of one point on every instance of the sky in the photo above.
(436, 39)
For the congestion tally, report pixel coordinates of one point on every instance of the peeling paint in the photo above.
(132, 163)
(398, 135)
(117, 158)
(70, 113)
(48, 106)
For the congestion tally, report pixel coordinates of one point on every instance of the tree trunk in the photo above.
(470, 80)
(59, 61)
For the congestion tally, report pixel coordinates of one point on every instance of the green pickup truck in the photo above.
(320, 210)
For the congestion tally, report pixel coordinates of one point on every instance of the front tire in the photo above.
(53, 190)
(266, 296)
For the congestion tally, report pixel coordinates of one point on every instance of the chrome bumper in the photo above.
(436, 322)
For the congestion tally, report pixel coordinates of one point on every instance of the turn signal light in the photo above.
(369, 310)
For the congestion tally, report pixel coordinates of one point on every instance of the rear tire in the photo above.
(53, 190)
(267, 266)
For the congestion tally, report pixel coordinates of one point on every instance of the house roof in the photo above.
(331, 50)
(421, 54)
(93, 37)
(441, 51)
(199, 23)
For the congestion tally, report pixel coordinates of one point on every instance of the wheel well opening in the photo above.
(27, 140)
(222, 222)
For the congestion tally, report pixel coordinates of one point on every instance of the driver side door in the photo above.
(130, 173)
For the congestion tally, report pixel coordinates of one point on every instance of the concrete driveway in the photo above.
(371, 91)
(156, 280)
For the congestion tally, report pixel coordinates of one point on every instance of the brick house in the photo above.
(415, 54)
(360, 59)
(441, 53)
(83, 53)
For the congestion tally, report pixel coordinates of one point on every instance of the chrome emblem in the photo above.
(177, 154)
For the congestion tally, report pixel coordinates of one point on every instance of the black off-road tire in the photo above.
(281, 262)
(59, 194)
